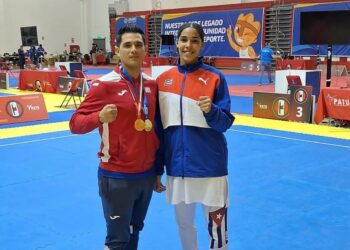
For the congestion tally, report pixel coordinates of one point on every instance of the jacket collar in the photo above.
(190, 68)
(121, 71)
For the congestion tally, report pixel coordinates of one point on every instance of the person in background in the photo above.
(266, 57)
(93, 53)
(289, 56)
(21, 57)
(40, 53)
(33, 55)
(122, 105)
(195, 106)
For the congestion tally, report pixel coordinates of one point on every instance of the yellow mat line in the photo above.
(297, 127)
(33, 130)
(54, 100)
(14, 91)
(244, 120)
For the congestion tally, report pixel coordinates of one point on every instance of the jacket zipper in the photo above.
(182, 125)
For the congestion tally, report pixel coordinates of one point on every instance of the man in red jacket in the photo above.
(122, 105)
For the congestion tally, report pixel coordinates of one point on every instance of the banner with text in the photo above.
(138, 21)
(22, 108)
(234, 33)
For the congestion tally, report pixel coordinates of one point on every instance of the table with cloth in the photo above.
(333, 103)
(48, 77)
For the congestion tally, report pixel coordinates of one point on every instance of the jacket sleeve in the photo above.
(159, 161)
(219, 117)
(86, 119)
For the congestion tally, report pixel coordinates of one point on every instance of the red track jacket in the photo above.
(123, 149)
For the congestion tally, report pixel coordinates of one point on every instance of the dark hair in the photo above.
(129, 29)
(196, 26)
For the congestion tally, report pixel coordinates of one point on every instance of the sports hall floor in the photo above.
(289, 183)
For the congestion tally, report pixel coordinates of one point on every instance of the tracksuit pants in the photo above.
(125, 203)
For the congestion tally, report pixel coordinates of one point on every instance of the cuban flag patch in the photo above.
(168, 82)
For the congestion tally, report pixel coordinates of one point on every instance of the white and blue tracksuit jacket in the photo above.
(193, 143)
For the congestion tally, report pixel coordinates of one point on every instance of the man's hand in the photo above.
(159, 187)
(204, 104)
(108, 113)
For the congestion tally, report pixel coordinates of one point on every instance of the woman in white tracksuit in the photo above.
(195, 109)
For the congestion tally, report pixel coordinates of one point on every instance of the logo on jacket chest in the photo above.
(204, 81)
(168, 82)
(121, 93)
(147, 90)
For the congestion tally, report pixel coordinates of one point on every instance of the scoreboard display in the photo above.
(300, 103)
(296, 106)
(271, 105)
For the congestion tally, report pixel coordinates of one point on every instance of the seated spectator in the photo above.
(100, 57)
(93, 53)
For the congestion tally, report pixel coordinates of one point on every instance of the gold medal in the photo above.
(148, 125)
(139, 124)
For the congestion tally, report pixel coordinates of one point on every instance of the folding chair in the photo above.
(293, 80)
(87, 82)
(5, 68)
(63, 68)
(80, 74)
(72, 92)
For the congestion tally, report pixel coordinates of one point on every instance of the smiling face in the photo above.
(189, 45)
(131, 51)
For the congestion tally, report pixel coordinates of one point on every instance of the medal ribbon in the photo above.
(145, 106)
(144, 101)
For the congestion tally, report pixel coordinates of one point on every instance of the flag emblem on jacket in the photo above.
(148, 90)
(168, 82)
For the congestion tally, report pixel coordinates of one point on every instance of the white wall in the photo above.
(2, 25)
(57, 23)
(98, 21)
